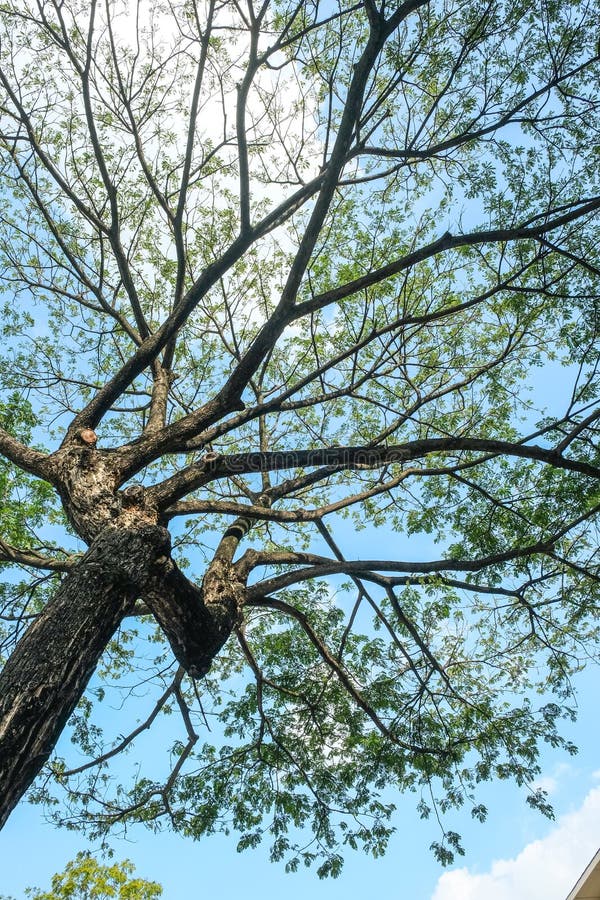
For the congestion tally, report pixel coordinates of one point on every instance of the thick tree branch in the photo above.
(449, 242)
(268, 335)
(366, 457)
(300, 514)
(369, 569)
(148, 351)
(32, 461)
(196, 621)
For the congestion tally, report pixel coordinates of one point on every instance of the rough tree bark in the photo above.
(129, 558)
(323, 328)
(39, 690)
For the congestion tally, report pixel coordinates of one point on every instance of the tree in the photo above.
(273, 274)
(86, 879)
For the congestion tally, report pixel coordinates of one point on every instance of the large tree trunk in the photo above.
(48, 671)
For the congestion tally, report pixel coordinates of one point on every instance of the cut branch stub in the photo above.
(133, 495)
(88, 437)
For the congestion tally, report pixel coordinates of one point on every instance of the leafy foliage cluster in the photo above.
(235, 234)
(85, 879)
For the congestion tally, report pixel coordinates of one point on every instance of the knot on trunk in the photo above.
(133, 556)
(223, 589)
(133, 508)
(133, 495)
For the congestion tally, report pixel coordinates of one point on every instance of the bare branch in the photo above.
(122, 745)
(35, 560)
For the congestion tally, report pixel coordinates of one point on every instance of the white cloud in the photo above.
(545, 869)
(550, 783)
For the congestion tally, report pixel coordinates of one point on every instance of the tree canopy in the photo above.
(299, 409)
(86, 879)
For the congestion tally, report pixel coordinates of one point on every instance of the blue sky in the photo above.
(517, 854)
(508, 858)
